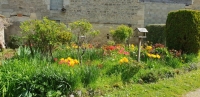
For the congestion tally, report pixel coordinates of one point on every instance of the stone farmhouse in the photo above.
(103, 14)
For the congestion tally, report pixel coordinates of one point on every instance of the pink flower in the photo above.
(126, 53)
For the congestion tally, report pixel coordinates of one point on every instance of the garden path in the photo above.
(195, 93)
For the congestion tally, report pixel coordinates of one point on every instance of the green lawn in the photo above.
(173, 87)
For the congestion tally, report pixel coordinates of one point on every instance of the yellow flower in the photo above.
(153, 56)
(132, 47)
(67, 47)
(69, 58)
(123, 60)
(69, 61)
(76, 61)
(149, 55)
(149, 48)
(74, 46)
(158, 56)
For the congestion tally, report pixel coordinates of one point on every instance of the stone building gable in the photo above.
(105, 11)
(25, 7)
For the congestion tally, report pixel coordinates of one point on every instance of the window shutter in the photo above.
(56, 4)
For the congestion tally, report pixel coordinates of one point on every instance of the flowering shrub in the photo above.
(155, 51)
(69, 61)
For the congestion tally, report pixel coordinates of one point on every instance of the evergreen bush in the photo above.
(183, 31)
(156, 33)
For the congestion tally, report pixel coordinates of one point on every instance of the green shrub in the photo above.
(121, 34)
(15, 42)
(44, 34)
(173, 62)
(89, 74)
(64, 37)
(149, 77)
(127, 71)
(182, 31)
(156, 33)
(153, 75)
(83, 31)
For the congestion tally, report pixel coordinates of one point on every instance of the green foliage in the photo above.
(182, 31)
(15, 42)
(99, 73)
(156, 33)
(83, 30)
(121, 34)
(43, 34)
(64, 37)
(153, 75)
(127, 71)
(36, 80)
(173, 62)
(89, 74)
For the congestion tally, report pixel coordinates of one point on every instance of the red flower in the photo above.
(55, 59)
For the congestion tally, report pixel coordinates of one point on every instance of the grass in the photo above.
(172, 87)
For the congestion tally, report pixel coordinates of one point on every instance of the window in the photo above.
(56, 4)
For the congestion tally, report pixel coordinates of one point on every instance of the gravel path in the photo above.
(193, 94)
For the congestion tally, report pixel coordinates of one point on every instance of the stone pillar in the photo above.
(2, 40)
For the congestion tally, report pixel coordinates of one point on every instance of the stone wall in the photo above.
(195, 5)
(156, 13)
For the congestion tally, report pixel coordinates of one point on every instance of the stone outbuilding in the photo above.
(103, 14)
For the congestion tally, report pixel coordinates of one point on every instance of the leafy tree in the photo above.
(44, 34)
(83, 30)
(121, 34)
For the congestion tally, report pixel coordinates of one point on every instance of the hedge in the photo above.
(156, 33)
(183, 31)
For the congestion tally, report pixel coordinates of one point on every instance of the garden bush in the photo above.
(44, 34)
(125, 70)
(156, 33)
(89, 74)
(153, 75)
(182, 31)
(121, 34)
